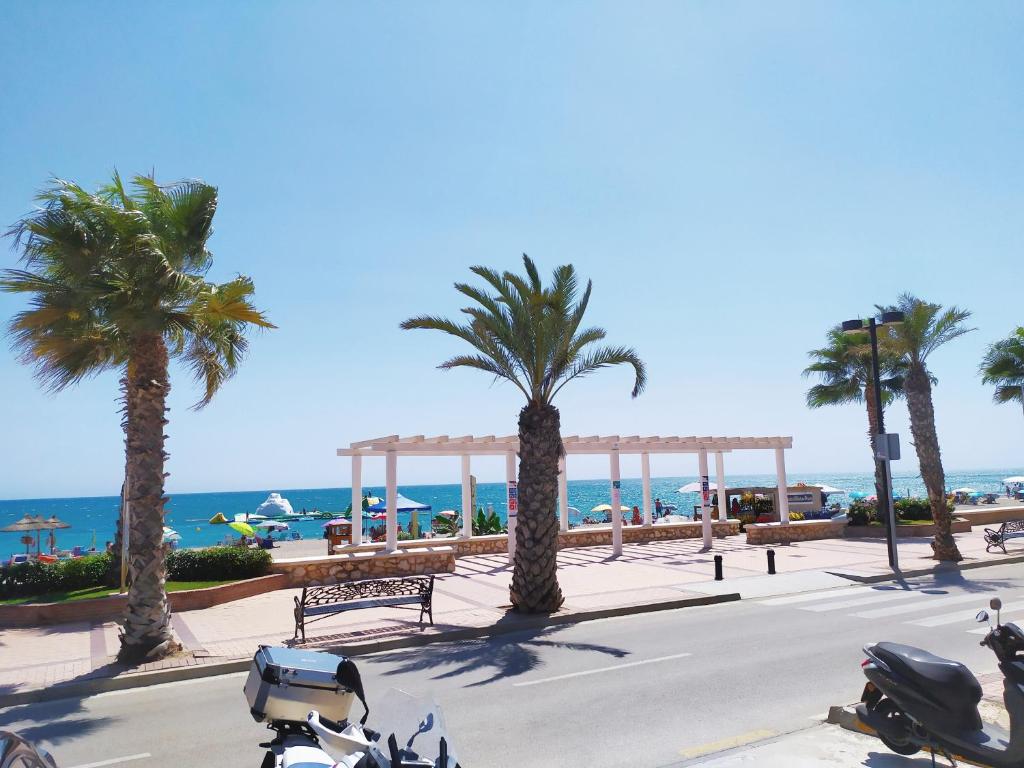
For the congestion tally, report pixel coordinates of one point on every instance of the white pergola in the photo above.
(392, 446)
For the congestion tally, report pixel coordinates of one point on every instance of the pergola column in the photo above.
(467, 499)
(512, 499)
(357, 500)
(780, 470)
(723, 502)
(645, 472)
(613, 458)
(563, 496)
(705, 506)
(391, 495)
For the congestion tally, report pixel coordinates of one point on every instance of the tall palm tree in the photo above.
(530, 335)
(844, 370)
(925, 328)
(116, 281)
(1003, 365)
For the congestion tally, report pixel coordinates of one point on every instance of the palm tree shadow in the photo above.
(53, 722)
(505, 656)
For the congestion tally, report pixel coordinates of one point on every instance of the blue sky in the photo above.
(735, 177)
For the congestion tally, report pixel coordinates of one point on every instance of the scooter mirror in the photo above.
(982, 617)
(995, 603)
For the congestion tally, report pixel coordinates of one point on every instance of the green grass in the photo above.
(876, 524)
(92, 592)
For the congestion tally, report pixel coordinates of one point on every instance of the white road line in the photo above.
(937, 602)
(964, 614)
(805, 598)
(114, 760)
(878, 597)
(627, 665)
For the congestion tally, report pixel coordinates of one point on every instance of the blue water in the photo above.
(189, 513)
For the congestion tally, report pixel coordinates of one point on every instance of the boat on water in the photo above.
(275, 506)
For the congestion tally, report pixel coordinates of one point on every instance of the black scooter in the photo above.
(915, 700)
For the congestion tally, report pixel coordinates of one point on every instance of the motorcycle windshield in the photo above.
(417, 724)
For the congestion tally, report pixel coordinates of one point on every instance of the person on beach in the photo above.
(636, 515)
(657, 507)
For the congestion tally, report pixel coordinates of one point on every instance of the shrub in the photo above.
(913, 509)
(796, 516)
(35, 578)
(217, 564)
(861, 512)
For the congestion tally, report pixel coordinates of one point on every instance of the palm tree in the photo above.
(1003, 365)
(845, 372)
(116, 282)
(925, 328)
(530, 335)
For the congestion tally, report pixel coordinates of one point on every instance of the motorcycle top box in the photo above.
(284, 684)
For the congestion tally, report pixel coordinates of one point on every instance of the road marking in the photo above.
(730, 743)
(932, 602)
(804, 598)
(114, 760)
(627, 665)
(878, 597)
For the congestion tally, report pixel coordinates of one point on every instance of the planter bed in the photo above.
(926, 530)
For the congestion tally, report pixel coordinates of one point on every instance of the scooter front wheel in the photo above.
(888, 710)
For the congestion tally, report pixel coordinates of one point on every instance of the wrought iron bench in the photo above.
(321, 602)
(997, 538)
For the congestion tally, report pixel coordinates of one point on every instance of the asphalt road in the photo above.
(651, 690)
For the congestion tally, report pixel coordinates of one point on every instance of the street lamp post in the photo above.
(883, 489)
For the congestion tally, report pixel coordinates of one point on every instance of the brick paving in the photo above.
(475, 596)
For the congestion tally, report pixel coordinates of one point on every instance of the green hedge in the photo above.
(217, 564)
(35, 578)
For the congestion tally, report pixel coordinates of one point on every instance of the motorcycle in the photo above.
(15, 752)
(290, 689)
(914, 700)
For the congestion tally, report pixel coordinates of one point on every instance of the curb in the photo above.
(938, 568)
(504, 626)
(844, 717)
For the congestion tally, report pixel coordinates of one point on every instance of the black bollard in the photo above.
(771, 561)
(718, 567)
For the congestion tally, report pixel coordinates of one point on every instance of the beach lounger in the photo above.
(296, 535)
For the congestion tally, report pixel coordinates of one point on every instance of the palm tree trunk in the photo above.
(147, 624)
(922, 425)
(535, 571)
(880, 490)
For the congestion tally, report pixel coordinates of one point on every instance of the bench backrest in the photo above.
(358, 590)
(1013, 526)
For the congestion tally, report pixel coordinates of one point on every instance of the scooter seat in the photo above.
(949, 682)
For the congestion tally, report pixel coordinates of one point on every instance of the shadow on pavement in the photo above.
(504, 656)
(53, 722)
(891, 760)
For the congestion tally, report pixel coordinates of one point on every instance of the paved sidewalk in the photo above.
(472, 599)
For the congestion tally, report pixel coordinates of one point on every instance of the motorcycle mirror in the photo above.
(982, 617)
(995, 603)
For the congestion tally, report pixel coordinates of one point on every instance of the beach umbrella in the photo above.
(964, 490)
(272, 525)
(608, 508)
(403, 504)
(1014, 479)
(29, 523)
(171, 535)
(574, 511)
(243, 528)
(218, 519)
(335, 521)
(858, 495)
(695, 487)
(448, 513)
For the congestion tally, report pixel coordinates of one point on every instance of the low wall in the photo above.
(638, 534)
(903, 531)
(354, 566)
(590, 536)
(989, 515)
(112, 608)
(797, 530)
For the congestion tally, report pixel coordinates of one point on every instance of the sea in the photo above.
(93, 519)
